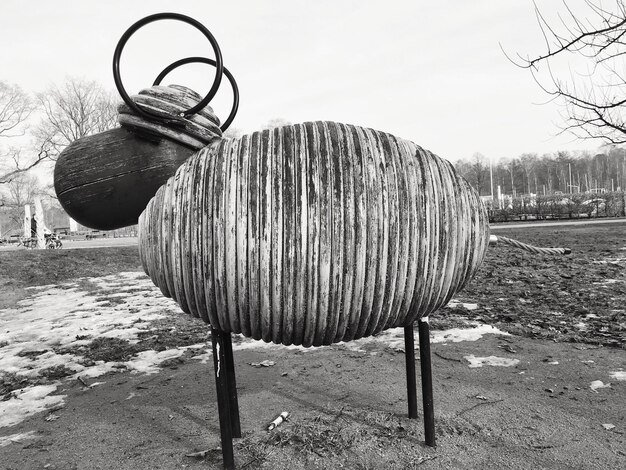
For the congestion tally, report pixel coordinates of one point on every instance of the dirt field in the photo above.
(547, 405)
(575, 298)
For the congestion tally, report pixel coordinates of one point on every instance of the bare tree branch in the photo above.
(594, 100)
(77, 109)
(15, 108)
(19, 168)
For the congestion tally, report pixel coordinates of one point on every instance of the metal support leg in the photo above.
(223, 400)
(411, 382)
(427, 382)
(235, 424)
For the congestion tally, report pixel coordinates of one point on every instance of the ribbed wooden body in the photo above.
(313, 234)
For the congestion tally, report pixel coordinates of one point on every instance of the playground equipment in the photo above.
(308, 234)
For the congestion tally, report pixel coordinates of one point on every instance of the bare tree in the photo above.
(594, 96)
(232, 133)
(511, 168)
(76, 109)
(21, 190)
(15, 109)
(479, 170)
(528, 162)
(276, 122)
(15, 164)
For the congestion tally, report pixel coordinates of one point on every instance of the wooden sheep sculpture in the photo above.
(313, 234)
(307, 234)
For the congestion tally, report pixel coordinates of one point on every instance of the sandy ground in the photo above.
(502, 401)
(540, 413)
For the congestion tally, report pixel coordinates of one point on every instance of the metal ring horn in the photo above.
(204, 60)
(166, 16)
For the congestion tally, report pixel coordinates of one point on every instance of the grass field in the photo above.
(120, 378)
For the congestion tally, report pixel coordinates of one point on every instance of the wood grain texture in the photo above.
(105, 181)
(313, 233)
(196, 130)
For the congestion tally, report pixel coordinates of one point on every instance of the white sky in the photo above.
(428, 71)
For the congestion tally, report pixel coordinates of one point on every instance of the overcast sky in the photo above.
(429, 71)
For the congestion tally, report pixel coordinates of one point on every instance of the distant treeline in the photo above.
(559, 206)
(565, 172)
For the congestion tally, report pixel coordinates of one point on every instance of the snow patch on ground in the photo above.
(598, 384)
(147, 361)
(490, 361)
(28, 401)
(33, 335)
(249, 343)
(607, 282)
(454, 304)
(203, 358)
(392, 338)
(455, 335)
(616, 260)
(618, 375)
(16, 438)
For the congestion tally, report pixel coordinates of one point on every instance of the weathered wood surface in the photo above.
(105, 181)
(179, 97)
(313, 234)
(195, 131)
